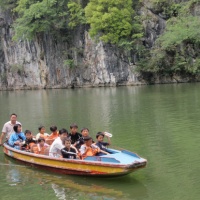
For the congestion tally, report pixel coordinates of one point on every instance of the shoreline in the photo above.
(94, 86)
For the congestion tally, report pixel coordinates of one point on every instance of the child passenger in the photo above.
(57, 145)
(42, 133)
(40, 147)
(89, 148)
(101, 144)
(84, 133)
(68, 151)
(29, 141)
(54, 133)
(74, 135)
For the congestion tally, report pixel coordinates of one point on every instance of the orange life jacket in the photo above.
(90, 152)
(39, 150)
(28, 146)
(53, 136)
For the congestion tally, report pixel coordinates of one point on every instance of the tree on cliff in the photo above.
(113, 21)
(35, 17)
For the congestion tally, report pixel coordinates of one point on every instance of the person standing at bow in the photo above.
(8, 128)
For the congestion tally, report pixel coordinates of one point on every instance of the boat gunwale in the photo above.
(125, 166)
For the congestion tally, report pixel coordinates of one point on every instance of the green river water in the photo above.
(160, 123)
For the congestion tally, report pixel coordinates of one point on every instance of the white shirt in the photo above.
(55, 148)
(8, 128)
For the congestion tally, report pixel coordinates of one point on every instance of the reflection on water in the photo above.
(13, 176)
(59, 191)
(64, 187)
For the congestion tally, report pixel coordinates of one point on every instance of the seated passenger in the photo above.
(68, 151)
(29, 141)
(40, 147)
(54, 133)
(80, 141)
(89, 149)
(53, 136)
(57, 145)
(74, 135)
(42, 133)
(101, 144)
(17, 137)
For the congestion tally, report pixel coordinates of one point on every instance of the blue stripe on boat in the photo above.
(102, 159)
(115, 156)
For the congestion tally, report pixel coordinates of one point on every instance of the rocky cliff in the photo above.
(47, 62)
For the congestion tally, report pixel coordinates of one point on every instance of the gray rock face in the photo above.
(153, 23)
(47, 62)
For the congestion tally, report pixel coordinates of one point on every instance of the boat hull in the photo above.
(70, 166)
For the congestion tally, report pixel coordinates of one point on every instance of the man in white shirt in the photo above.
(58, 144)
(8, 128)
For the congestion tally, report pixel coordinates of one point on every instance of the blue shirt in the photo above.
(15, 137)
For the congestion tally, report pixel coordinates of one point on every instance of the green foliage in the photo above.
(17, 68)
(167, 7)
(113, 20)
(177, 49)
(183, 29)
(3, 77)
(195, 69)
(40, 16)
(52, 16)
(76, 14)
(153, 61)
(69, 63)
(8, 4)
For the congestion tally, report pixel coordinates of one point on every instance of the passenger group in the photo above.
(58, 144)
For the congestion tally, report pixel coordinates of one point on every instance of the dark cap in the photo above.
(87, 138)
